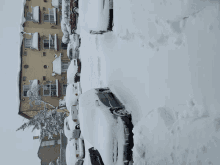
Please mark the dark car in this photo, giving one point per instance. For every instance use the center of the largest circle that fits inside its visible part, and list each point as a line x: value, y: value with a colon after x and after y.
x: 95, y: 157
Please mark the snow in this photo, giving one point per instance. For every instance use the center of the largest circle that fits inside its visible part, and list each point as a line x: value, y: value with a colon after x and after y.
x: 57, y: 65
x: 99, y: 128
x: 54, y: 14
x: 57, y: 87
x: 65, y: 23
x: 71, y: 98
x: 69, y: 133
x: 71, y: 71
x: 70, y: 153
x: 55, y: 41
x: 164, y: 69
x: 154, y: 65
x: 35, y: 12
x: 35, y: 41
x: 72, y: 45
x: 55, y: 3
x: 92, y: 16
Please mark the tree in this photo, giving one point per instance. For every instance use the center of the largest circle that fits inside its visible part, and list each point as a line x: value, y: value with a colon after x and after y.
x: 48, y: 122
x: 33, y: 94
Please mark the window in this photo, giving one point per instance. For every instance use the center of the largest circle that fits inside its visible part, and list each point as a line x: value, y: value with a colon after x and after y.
x: 49, y: 90
x: 27, y: 43
x: 45, y: 66
x: 24, y: 78
x: 25, y: 90
x: 63, y: 46
x: 44, y: 8
x: 64, y: 89
x: 49, y: 17
x: 26, y: 66
x: 46, y: 44
x: 29, y: 16
x: 44, y: 78
x: 65, y: 66
x: 49, y: 44
x: 25, y: 53
x: 44, y: 53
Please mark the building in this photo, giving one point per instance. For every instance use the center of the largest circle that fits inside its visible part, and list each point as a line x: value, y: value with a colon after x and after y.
x: 43, y: 56
x: 49, y: 150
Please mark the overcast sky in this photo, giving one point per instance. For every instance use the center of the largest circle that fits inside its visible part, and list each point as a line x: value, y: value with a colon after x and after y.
x: 16, y: 147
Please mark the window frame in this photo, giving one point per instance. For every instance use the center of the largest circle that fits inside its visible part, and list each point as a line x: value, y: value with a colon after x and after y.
x: 25, y: 89
x: 50, y: 90
x: 64, y: 93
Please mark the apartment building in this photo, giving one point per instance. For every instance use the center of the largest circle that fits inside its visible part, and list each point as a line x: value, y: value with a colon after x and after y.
x: 43, y: 56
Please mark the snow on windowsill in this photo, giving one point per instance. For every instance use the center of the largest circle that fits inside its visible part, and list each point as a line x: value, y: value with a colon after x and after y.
x: 55, y: 41
x: 35, y: 12
x: 35, y: 41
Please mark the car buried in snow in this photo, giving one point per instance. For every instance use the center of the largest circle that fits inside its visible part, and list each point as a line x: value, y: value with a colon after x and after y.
x: 80, y: 148
x: 71, y: 129
x: 107, y: 126
x: 97, y: 15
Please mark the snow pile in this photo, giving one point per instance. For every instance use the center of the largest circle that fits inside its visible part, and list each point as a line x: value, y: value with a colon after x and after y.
x: 92, y: 16
x: 160, y: 138
x: 71, y: 98
x: 35, y: 12
x: 73, y: 46
x: 65, y: 23
x: 35, y: 41
x: 69, y: 127
x: 70, y: 153
x: 71, y: 72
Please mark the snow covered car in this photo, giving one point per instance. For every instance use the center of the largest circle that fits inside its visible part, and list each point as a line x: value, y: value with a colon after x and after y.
x: 96, y: 15
x: 95, y: 157
x: 74, y: 113
x: 71, y: 130
x: 105, y: 122
x: 73, y: 46
x: 79, y: 162
x: 80, y: 148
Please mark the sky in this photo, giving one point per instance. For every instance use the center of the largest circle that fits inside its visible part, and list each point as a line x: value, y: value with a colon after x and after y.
x: 16, y: 147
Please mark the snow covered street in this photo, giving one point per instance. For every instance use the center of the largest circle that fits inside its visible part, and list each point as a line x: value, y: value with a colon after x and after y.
x: 162, y: 62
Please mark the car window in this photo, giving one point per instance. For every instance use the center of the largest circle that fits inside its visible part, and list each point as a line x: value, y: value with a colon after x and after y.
x: 112, y: 99
x: 103, y: 99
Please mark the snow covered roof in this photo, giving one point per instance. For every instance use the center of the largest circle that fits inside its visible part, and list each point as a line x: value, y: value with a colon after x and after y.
x: 35, y: 41
x: 35, y: 12
x: 57, y: 65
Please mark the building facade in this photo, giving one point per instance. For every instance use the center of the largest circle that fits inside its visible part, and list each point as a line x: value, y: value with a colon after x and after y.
x: 43, y: 56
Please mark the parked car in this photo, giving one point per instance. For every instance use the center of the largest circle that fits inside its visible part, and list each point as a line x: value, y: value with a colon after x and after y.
x: 80, y: 148
x: 101, y: 105
x: 71, y: 129
x: 74, y: 113
x: 79, y: 162
x: 97, y: 15
x: 73, y: 46
x: 95, y: 157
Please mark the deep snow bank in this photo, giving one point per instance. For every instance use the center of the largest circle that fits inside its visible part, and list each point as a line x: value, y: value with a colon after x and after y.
x: 164, y: 138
